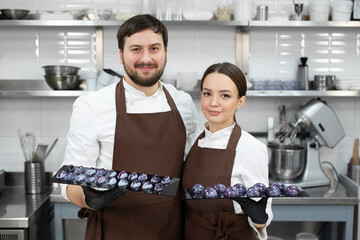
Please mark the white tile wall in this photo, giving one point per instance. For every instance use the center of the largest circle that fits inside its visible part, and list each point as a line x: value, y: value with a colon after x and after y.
x: 274, y: 54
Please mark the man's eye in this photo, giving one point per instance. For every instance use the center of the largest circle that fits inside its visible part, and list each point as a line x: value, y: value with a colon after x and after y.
x: 155, y: 49
x: 135, y: 49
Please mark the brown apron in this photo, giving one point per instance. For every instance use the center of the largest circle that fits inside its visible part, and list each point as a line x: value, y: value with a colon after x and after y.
x: 154, y: 144
x: 213, y: 219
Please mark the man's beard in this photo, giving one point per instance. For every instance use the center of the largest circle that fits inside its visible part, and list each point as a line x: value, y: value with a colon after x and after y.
x: 144, y: 81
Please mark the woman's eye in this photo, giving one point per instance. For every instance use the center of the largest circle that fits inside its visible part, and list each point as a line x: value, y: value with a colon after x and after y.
x: 225, y: 96
x: 206, y: 94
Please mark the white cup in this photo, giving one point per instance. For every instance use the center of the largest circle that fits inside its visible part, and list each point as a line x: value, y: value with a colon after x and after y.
x: 243, y: 10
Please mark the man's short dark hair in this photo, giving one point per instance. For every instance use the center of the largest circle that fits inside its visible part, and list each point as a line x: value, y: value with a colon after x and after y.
x: 139, y: 23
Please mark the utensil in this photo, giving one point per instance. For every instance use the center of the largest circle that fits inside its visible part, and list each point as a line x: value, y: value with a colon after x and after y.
x: 51, y: 148
x: 14, y: 13
x: 62, y: 82
x: 354, y: 160
x: 60, y: 69
x: 287, y: 162
x: 298, y: 9
x: 40, y: 152
x: 31, y: 144
x: 355, y: 156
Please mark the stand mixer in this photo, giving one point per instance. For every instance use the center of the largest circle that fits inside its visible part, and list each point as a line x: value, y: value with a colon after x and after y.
x: 319, y: 123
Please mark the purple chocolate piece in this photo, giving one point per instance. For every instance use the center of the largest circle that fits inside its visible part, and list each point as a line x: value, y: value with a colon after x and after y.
x: 122, y: 175
x: 79, y: 170
x: 210, y: 192
x: 90, y: 180
x: 111, y: 174
x: 143, y: 177
x: 133, y: 176
x: 79, y: 179
x: 123, y: 183
x: 146, y: 187
x: 135, y: 185
x: 155, y: 179
x: 253, y: 192
x: 240, y: 190
x: 101, y: 172
x: 166, y: 180
x: 61, y: 174
x: 91, y: 172
x: 230, y: 193
x: 159, y: 187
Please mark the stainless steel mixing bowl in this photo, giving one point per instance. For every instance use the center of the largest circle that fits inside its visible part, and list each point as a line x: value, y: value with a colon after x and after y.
x: 287, y: 162
x: 14, y: 13
x: 60, y: 69
x: 62, y: 82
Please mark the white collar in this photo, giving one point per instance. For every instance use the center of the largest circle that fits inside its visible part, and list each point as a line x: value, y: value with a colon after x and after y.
x: 225, y: 132
x: 135, y: 91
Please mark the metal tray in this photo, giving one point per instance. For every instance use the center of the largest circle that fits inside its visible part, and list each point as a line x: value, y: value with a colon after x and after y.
x: 169, y: 190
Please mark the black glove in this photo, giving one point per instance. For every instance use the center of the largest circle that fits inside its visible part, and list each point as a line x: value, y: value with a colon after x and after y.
x: 254, y: 210
x: 100, y: 199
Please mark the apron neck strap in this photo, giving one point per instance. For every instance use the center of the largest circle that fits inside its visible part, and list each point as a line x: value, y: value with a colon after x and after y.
x: 234, y: 138
x: 121, y: 101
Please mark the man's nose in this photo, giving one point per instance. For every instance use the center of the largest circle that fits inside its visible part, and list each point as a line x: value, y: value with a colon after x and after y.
x: 146, y: 57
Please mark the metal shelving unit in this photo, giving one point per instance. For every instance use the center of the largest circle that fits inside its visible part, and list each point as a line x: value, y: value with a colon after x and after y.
x: 242, y: 50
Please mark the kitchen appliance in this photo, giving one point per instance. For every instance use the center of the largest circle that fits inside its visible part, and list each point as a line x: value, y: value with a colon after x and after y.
x: 315, y: 125
x: 303, y: 74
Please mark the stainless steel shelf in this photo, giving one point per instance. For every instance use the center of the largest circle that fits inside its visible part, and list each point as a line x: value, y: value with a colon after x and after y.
x: 42, y: 93
x: 281, y: 93
x: 303, y: 24
x: 241, y: 24
x: 76, y: 23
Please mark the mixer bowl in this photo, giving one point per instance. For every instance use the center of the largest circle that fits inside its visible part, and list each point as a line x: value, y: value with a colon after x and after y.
x: 287, y: 162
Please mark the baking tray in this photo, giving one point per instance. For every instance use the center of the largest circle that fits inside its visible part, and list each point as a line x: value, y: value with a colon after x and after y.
x: 170, y: 189
x: 187, y: 196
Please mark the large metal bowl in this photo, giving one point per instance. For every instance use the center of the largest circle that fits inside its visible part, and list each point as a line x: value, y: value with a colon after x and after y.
x: 287, y: 162
x: 63, y: 82
x: 14, y: 13
x: 60, y: 70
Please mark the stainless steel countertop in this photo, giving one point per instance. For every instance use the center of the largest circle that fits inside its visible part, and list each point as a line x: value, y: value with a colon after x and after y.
x: 344, y: 194
x: 16, y: 207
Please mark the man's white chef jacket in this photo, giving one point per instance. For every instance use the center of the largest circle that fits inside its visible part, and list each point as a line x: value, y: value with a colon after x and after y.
x: 90, y: 140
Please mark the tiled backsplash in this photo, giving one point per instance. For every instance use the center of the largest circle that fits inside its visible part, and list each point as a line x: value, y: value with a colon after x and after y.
x: 274, y: 54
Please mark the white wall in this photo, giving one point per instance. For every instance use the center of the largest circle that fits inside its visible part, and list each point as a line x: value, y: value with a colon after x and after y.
x: 274, y: 54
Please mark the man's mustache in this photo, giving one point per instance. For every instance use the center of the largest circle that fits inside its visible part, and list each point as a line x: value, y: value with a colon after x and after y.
x: 138, y: 65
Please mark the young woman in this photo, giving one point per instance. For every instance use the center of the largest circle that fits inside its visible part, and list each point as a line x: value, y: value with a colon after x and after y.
x: 224, y: 153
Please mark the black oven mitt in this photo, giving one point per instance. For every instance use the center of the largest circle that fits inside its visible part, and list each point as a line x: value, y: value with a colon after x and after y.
x: 254, y: 209
x: 100, y: 199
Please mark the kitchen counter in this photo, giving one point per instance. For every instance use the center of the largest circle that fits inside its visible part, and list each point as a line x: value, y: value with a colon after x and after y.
x: 30, y: 214
x: 17, y: 208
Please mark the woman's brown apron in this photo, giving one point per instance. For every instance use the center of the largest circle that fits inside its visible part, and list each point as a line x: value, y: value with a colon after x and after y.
x: 150, y: 143
x: 213, y: 219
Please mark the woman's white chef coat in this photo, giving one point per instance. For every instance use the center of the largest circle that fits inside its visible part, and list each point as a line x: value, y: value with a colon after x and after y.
x: 250, y: 164
x: 90, y: 140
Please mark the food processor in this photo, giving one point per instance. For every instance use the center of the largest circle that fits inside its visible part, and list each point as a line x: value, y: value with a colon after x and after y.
x: 315, y: 125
